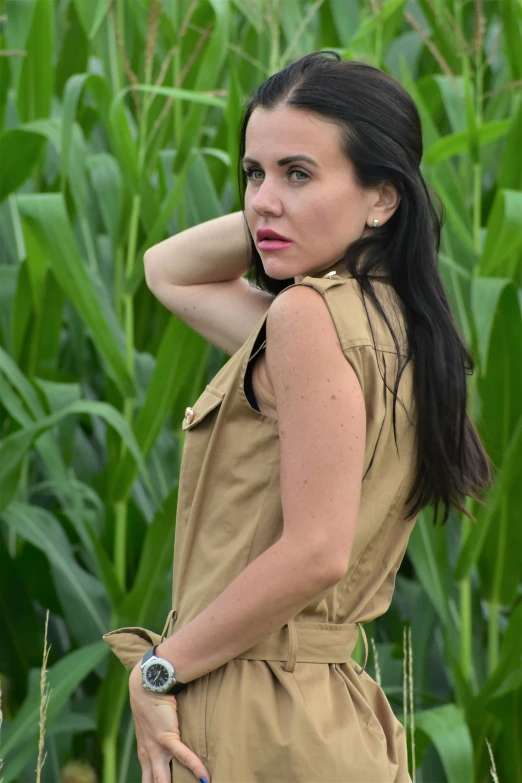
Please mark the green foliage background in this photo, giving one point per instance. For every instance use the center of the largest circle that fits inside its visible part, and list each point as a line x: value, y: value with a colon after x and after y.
x: 118, y: 128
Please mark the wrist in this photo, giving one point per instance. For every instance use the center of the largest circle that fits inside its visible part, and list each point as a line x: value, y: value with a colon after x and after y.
x: 158, y: 674
x: 136, y: 678
x: 161, y: 652
x: 136, y: 689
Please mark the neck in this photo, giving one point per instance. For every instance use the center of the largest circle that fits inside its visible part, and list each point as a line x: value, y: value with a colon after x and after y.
x: 339, y: 268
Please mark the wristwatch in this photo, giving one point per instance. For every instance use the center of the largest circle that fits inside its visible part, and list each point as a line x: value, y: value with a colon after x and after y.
x: 158, y: 674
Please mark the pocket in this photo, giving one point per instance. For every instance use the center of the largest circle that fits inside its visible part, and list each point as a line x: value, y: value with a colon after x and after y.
x: 211, y: 714
x: 206, y: 402
x: 367, y: 698
x: 192, y: 712
x: 201, y: 712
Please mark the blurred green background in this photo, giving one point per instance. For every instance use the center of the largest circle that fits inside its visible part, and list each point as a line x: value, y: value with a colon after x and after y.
x: 119, y: 124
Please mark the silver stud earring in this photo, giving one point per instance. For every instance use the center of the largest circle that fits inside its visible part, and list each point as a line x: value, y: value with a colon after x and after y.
x: 375, y: 223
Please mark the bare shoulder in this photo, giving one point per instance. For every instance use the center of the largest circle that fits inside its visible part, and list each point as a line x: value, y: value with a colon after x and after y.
x: 299, y: 320
x: 306, y: 364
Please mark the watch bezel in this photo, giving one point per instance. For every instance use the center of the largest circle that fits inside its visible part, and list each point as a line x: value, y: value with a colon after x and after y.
x: 154, y: 661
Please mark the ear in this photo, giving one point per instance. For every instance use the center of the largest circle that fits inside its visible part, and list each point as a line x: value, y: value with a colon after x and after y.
x: 383, y: 202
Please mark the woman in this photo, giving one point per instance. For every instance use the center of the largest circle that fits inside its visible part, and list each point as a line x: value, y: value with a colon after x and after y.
x: 301, y: 476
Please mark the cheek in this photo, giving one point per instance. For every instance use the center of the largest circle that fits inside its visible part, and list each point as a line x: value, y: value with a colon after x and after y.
x: 334, y: 223
x: 341, y: 214
x: 328, y: 216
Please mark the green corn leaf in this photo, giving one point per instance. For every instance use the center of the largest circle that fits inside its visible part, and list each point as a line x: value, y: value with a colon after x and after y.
x: 48, y: 216
x: 456, y: 143
x: 502, y: 255
x: 505, y: 479
x: 63, y: 678
x: 82, y: 595
x: 14, y: 447
x: 173, y: 369
x: 447, y: 729
x: 19, y: 151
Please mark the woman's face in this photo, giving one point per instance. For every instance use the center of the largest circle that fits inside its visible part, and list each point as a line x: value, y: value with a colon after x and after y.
x: 318, y: 207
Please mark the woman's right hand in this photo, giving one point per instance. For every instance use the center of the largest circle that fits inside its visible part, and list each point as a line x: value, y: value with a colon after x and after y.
x: 157, y: 732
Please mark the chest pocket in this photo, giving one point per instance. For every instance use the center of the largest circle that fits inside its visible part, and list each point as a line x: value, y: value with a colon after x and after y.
x: 206, y: 402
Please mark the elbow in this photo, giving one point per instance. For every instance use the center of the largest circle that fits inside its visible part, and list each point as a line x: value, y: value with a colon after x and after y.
x: 320, y: 564
x: 329, y: 567
x: 334, y: 573
x: 149, y: 270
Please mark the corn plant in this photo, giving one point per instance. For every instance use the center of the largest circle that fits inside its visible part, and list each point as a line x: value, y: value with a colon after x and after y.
x: 118, y: 128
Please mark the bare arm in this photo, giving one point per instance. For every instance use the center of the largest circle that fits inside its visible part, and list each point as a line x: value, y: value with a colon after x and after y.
x: 321, y: 476
x: 210, y: 252
x: 271, y: 590
x: 198, y: 276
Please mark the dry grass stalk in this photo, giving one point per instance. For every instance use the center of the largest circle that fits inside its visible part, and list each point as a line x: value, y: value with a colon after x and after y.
x: 451, y: 29
x: 1, y: 721
x: 404, y: 680
x: 170, y: 54
x: 188, y: 16
x: 430, y: 45
x: 480, y: 28
x: 312, y: 11
x: 126, y: 63
x: 376, y: 661
x: 412, y: 707
x: 376, y: 6
x: 45, y: 695
x: 152, y: 34
x: 407, y: 689
x: 185, y: 25
x: 493, y: 768
x: 207, y: 32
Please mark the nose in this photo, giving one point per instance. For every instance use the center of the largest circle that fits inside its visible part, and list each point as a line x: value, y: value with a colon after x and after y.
x: 266, y: 199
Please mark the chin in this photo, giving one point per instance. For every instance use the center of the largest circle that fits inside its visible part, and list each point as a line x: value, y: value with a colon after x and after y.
x: 276, y: 272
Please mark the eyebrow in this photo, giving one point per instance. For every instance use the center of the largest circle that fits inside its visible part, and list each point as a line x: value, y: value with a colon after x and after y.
x: 284, y: 161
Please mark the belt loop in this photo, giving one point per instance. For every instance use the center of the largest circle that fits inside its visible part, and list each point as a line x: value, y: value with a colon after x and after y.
x: 170, y: 618
x: 365, y: 641
x: 292, y: 647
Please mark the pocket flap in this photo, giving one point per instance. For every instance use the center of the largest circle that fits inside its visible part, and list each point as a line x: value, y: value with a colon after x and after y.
x: 209, y: 399
x: 131, y: 644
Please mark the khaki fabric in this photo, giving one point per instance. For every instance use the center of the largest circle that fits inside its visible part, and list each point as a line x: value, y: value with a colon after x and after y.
x: 296, y: 706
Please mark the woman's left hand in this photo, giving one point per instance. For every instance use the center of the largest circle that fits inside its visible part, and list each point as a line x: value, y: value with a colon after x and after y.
x: 157, y: 732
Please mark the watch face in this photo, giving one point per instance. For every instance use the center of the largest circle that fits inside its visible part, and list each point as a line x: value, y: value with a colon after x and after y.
x: 157, y: 675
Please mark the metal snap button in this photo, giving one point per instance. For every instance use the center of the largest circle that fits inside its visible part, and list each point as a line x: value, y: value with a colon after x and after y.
x: 189, y: 415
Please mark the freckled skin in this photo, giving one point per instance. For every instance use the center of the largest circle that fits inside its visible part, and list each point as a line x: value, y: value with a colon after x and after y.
x: 321, y: 207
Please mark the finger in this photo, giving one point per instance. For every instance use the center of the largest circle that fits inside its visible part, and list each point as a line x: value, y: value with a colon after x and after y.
x: 146, y: 772
x: 161, y: 769
x: 144, y: 759
x: 189, y: 759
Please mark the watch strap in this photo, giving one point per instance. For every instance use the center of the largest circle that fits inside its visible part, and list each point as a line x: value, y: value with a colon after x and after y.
x: 176, y: 688
x: 148, y: 655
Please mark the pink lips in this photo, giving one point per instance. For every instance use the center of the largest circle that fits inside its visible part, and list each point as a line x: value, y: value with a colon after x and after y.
x: 269, y: 233
x: 268, y: 239
x: 273, y: 244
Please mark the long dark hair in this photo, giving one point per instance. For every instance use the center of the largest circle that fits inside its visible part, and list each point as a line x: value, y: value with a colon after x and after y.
x: 381, y: 135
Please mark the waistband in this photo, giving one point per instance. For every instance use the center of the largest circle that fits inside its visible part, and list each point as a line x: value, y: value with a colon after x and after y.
x: 305, y: 642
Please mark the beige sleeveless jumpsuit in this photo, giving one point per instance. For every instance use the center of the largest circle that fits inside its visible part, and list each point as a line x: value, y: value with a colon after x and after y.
x: 295, y: 707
